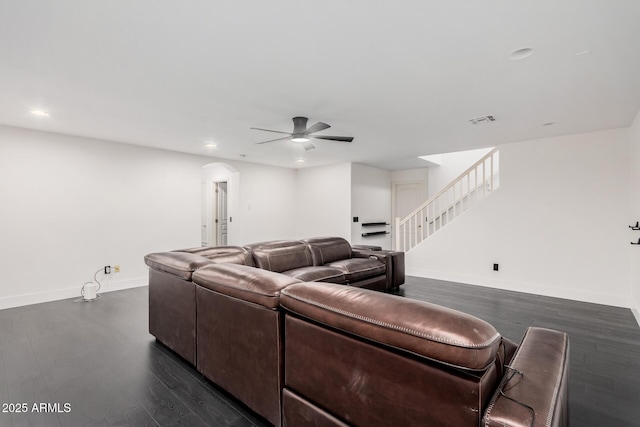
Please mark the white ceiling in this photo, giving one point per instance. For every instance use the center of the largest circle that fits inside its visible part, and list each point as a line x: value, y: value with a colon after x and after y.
x: 402, y: 77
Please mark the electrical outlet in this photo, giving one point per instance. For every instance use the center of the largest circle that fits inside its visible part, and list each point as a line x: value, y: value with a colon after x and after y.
x: 107, y: 269
x: 116, y: 268
x: 495, y: 267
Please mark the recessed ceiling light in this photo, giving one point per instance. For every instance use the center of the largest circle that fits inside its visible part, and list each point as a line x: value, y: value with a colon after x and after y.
x: 583, y: 53
x: 519, y: 54
x: 210, y: 145
x: 40, y: 113
x: 549, y: 124
x: 299, y: 160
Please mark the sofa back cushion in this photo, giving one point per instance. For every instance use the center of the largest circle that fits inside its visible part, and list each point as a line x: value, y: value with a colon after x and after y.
x: 245, y: 283
x: 328, y: 249
x: 280, y: 255
x: 223, y: 254
x: 427, y: 330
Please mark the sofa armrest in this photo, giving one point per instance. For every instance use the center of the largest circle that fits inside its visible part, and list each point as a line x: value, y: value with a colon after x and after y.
x: 534, y: 389
x: 394, y: 262
x: 181, y: 264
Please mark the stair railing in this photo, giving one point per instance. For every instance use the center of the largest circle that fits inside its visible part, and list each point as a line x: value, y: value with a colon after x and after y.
x: 470, y: 187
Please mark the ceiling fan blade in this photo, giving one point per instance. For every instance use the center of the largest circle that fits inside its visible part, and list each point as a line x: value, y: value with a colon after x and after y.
x: 332, y: 138
x: 317, y: 128
x: 272, y: 140
x: 308, y: 146
x: 274, y: 131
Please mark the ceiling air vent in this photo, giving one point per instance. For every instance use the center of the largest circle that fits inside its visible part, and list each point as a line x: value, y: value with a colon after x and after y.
x: 483, y: 119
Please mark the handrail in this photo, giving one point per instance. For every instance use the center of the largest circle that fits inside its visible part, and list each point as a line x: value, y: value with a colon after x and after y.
x: 411, y: 230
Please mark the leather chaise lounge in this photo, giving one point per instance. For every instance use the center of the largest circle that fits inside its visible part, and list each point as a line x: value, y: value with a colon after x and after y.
x: 303, y: 353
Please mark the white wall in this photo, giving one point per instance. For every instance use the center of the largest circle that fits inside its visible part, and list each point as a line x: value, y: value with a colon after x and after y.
x: 370, y: 202
x: 324, y: 201
x: 557, y: 225
x: 268, y: 203
x: 261, y: 200
x: 71, y: 205
x: 634, y: 138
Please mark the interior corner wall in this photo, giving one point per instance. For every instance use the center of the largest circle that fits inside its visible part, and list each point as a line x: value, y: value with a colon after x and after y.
x: 370, y: 202
x: 634, y: 139
x: 267, y: 203
x: 71, y: 205
x: 557, y: 225
x: 261, y: 200
x: 323, y: 206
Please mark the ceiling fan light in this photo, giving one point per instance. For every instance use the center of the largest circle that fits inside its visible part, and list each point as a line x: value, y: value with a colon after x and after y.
x: 40, y: 113
x: 299, y: 139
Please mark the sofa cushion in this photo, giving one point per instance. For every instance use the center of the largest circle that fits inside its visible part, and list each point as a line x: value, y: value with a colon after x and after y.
x: 281, y: 255
x: 246, y: 283
x: 328, y: 249
x: 428, y: 330
x: 359, y: 268
x: 393, y: 261
x: 317, y: 274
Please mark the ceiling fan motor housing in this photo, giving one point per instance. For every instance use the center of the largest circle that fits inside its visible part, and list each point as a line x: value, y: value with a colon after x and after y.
x: 299, y: 125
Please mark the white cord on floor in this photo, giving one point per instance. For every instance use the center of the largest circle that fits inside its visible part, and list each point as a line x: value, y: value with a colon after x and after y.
x: 95, y: 277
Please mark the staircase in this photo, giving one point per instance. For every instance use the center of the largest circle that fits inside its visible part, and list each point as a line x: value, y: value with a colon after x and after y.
x: 469, y: 188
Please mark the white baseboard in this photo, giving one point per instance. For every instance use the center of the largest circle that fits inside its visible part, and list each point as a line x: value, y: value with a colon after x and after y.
x: 529, y: 288
x: 59, y: 294
x: 124, y: 284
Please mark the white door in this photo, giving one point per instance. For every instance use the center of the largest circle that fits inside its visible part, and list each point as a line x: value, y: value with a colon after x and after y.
x: 219, y: 214
x: 222, y: 214
x: 204, y: 230
x: 407, y: 196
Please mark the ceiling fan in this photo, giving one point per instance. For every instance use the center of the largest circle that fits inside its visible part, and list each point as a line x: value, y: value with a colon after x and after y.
x: 303, y: 134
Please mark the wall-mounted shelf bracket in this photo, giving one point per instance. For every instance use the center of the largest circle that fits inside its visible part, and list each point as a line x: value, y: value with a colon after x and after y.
x: 635, y: 227
x: 636, y: 243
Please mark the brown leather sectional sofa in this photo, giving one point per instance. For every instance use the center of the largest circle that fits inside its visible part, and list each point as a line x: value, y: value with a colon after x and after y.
x: 172, y: 311
x: 303, y: 353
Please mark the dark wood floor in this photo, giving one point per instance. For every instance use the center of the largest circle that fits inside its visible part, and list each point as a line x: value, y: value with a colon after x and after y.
x: 99, y: 358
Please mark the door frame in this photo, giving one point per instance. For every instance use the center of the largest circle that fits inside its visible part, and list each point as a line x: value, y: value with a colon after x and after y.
x: 215, y: 224
x: 394, y: 198
x: 216, y: 172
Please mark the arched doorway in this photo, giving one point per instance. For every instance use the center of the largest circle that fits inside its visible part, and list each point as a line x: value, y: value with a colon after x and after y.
x: 219, y: 201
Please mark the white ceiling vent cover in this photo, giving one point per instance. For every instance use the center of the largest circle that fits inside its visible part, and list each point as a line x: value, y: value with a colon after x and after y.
x: 483, y: 119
